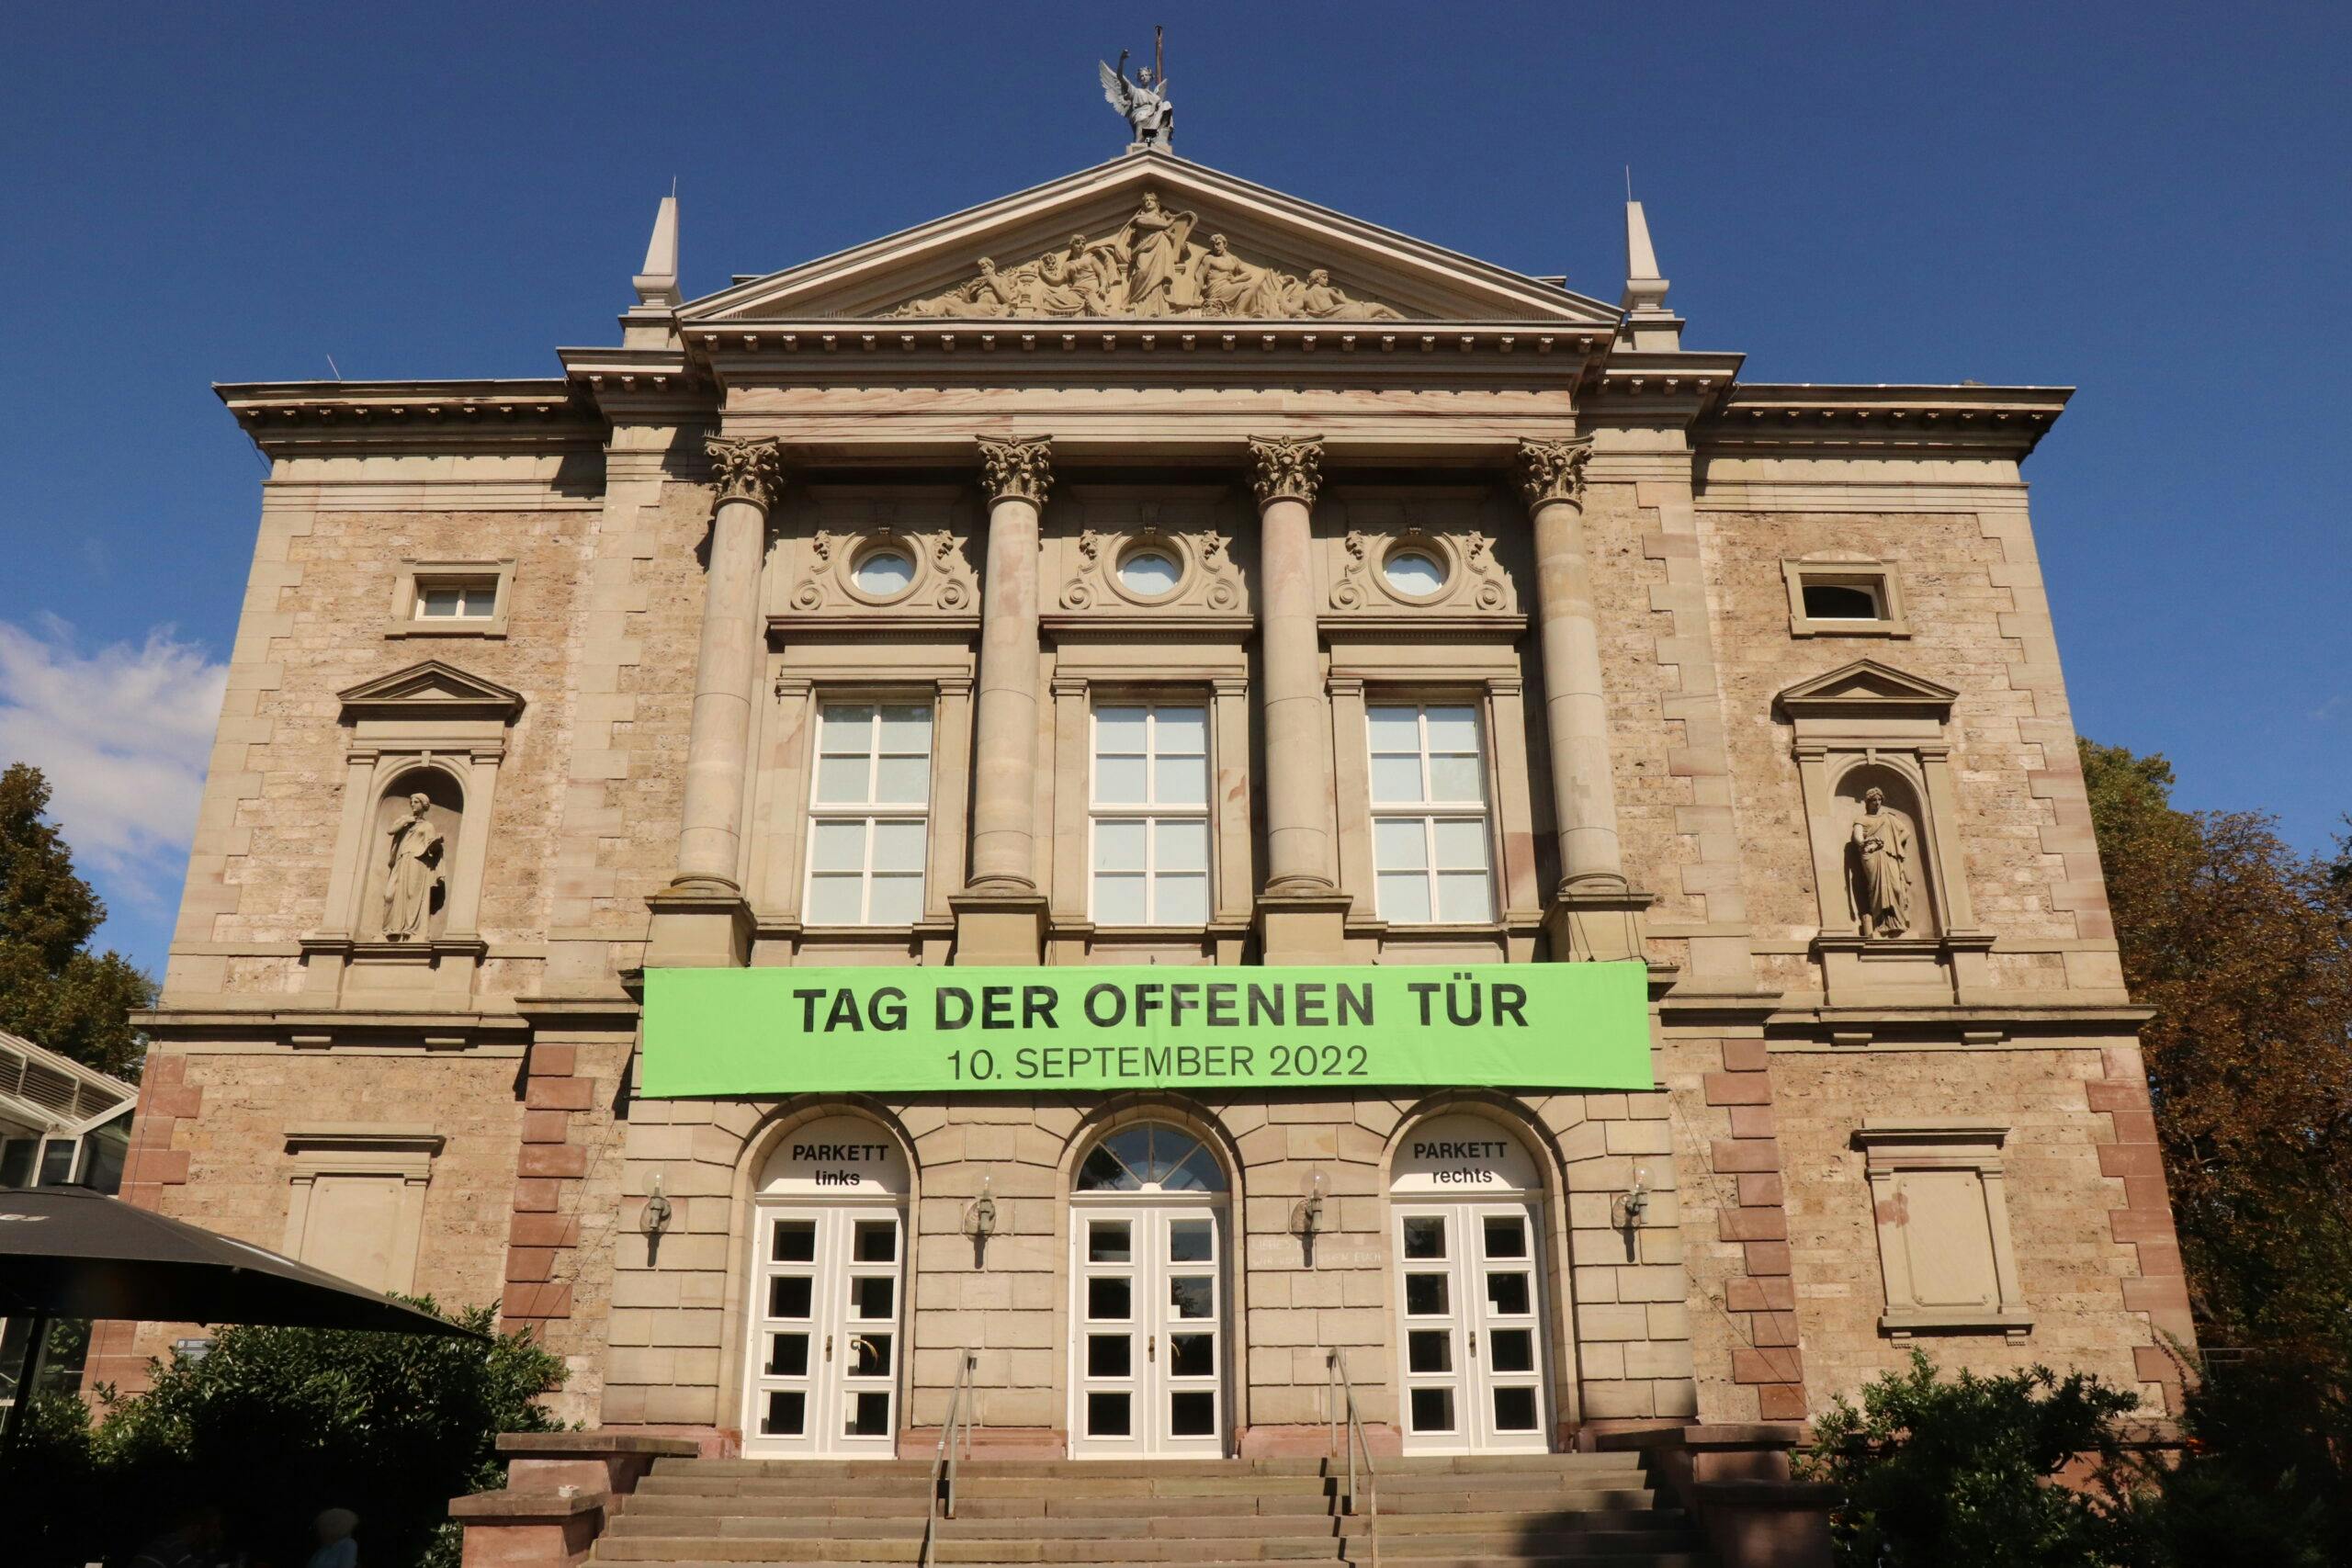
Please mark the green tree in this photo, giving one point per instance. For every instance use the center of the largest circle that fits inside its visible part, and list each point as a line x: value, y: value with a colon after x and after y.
x: 53, y: 990
x: 2244, y: 948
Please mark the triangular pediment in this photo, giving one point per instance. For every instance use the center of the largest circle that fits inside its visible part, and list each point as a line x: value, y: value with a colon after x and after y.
x: 431, y: 689
x: 1144, y: 228
x: 1866, y: 684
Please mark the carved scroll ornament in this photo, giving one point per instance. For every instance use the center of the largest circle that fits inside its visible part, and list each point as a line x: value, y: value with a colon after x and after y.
x: 749, y: 470
x: 1149, y: 267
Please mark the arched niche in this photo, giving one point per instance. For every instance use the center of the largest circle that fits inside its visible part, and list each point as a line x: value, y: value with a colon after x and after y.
x: 1885, y: 860
x: 402, y: 854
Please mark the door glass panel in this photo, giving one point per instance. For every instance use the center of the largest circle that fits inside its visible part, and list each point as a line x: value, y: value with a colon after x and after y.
x: 1505, y: 1236
x: 1192, y: 1413
x: 1188, y: 1241
x: 786, y: 1414
x: 1514, y: 1410
x: 1427, y: 1296
x: 868, y: 1416
x: 1110, y: 1354
x: 872, y: 1297
x: 870, y: 1355
x: 1430, y: 1350
x: 1507, y: 1292
x: 788, y: 1295
x: 1512, y: 1350
x: 1107, y: 1241
x: 1191, y: 1354
x: 787, y: 1355
x: 1108, y: 1299
x: 1107, y: 1415
x: 1432, y: 1410
x: 1424, y: 1237
x: 796, y: 1241
x: 877, y: 1241
x: 1193, y: 1295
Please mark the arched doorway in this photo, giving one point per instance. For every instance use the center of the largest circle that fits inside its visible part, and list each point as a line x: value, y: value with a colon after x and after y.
x: 1466, y: 1202
x: 828, y: 1278
x: 1149, y: 1296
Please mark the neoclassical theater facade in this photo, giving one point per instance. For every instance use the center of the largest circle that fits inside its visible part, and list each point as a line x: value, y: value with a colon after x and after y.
x: 1134, y: 790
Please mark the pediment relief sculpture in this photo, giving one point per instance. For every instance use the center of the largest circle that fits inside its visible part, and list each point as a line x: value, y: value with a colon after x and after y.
x: 1153, y: 265
x: 1151, y: 568
x: 1410, y: 568
x: 882, y: 567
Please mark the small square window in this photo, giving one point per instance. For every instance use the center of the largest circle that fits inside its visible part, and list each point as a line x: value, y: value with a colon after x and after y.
x: 451, y: 599
x: 1843, y: 599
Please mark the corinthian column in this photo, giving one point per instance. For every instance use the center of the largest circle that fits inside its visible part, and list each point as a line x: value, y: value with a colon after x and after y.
x: 1000, y: 915
x: 1301, y: 906
x: 1593, y: 912
x: 701, y: 918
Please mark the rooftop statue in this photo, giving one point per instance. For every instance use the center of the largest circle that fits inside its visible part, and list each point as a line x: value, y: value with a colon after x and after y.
x: 1150, y: 266
x: 1143, y: 101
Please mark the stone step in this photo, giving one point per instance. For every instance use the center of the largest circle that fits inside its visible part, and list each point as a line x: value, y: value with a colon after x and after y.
x: 1505, y: 1545
x: 1677, y: 1557
x: 1165, y: 1527
x: 922, y: 1466
x: 1062, y: 1503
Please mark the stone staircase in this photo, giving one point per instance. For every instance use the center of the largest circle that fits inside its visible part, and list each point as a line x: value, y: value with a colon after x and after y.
x: 1574, y: 1510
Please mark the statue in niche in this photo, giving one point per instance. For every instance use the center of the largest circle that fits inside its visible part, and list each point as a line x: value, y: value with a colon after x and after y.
x: 1884, y: 853
x: 415, y: 871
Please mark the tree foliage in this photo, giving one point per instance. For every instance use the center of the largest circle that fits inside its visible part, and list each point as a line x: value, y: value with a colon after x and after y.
x: 53, y: 990
x: 2244, y: 948
x: 274, y: 1424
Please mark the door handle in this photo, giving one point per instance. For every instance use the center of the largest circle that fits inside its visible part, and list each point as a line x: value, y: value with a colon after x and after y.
x: 860, y: 1345
x: 829, y: 1347
x: 1474, y: 1344
x: 1151, y: 1347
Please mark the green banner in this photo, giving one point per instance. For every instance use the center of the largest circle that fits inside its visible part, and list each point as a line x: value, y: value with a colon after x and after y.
x: 927, y: 1031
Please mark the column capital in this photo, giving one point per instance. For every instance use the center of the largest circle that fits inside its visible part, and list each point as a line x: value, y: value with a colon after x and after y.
x: 749, y: 469
x: 1553, y: 471
x: 1286, y: 468
x: 1016, y: 470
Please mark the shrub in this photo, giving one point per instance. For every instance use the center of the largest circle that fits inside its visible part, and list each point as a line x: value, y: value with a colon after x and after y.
x: 1937, y: 1473
x: 274, y: 1424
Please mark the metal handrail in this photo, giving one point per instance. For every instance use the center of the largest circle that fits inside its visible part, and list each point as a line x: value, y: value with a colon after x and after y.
x: 1342, y: 1395
x: 942, y: 1465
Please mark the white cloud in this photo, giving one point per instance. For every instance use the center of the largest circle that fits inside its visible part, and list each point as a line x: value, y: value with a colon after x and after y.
x: 123, y: 733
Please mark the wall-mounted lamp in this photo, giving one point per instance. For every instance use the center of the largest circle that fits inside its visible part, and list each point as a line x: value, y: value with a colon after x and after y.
x: 656, y: 1218
x: 979, y: 1215
x: 1634, y: 1201
x: 1307, y: 1214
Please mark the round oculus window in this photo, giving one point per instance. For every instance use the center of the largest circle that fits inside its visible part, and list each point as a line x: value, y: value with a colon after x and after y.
x: 1150, y: 574
x: 1413, y: 573
x: 883, y: 574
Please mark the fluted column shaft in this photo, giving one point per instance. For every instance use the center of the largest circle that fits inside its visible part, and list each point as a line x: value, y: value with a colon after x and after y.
x: 1575, y: 708
x: 1015, y: 476
x: 1298, y: 727
x: 726, y: 668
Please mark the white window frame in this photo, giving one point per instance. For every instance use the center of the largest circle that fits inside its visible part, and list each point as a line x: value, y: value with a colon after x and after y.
x: 1428, y: 811
x: 1877, y: 578
x: 1150, y: 812
x: 416, y: 578
x: 869, y: 812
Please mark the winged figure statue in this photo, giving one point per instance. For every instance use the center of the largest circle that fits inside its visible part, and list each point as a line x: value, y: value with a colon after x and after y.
x: 1143, y: 102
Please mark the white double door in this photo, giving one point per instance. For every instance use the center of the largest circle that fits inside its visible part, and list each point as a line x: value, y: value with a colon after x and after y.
x: 1470, y: 1321
x: 825, y: 1341
x: 1148, y: 1319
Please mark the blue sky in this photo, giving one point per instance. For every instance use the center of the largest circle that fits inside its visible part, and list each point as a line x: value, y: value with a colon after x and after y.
x: 2146, y: 202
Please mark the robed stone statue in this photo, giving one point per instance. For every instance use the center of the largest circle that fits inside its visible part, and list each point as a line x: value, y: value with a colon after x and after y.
x: 413, y: 872
x: 1885, y: 858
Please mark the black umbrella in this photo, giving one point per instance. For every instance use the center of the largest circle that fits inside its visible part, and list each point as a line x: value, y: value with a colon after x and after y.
x: 71, y: 1252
